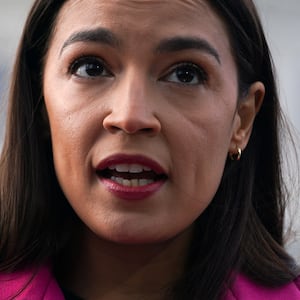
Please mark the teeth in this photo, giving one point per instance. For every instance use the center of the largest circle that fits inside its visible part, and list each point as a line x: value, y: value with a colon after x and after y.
x: 135, y: 168
x: 132, y: 182
x: 129, y: 168
x: 122, y: 168
x: 119, y: 180
x: 143, y: 182
x: 126, y: 182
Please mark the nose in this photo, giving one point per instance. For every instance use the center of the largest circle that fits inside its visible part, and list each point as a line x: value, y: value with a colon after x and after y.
x: 132, y: 109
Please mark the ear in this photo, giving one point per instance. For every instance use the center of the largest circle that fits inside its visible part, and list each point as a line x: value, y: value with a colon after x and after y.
x: 247, y: 109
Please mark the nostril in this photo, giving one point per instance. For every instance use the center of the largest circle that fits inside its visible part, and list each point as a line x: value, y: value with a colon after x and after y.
x: 114, y: 129
x: 132, y: 122
x: 131, y: 128
x: 147, y: 130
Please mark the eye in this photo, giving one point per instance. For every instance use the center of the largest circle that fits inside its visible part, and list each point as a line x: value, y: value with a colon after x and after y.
x: 89, y: 67
x: 187, y: 74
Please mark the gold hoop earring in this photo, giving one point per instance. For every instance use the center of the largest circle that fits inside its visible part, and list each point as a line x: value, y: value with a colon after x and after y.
x: 236, y: 155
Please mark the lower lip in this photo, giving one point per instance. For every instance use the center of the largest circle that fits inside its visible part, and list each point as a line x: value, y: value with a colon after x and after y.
x: 132, y: 193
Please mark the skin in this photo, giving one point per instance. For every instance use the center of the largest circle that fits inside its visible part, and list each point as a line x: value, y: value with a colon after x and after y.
x: 139, y: 106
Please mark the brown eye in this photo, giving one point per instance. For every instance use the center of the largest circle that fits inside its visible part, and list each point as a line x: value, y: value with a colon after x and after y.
x: 186, y: 73
x: 89, y: 67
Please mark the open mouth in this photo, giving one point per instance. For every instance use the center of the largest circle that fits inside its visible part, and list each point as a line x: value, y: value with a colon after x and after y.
x: 131, y: 175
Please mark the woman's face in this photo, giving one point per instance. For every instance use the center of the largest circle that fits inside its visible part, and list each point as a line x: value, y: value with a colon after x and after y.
x: 142, y: 104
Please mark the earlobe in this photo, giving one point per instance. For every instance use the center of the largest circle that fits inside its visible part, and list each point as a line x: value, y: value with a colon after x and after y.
x: 247, y: 109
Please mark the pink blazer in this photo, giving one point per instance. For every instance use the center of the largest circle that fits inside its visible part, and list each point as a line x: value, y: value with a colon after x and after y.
x: 30, y: 285
x: 41, y: 285
x: 245, y: 289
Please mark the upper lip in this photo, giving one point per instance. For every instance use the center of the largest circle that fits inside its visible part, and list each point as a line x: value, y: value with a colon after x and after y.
x: 118, y: 159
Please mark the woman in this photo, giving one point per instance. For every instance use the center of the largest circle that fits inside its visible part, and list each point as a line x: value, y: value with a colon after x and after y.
x: 141, y: 157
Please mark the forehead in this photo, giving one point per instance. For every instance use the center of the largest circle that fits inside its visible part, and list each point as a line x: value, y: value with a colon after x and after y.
x: 148, y: 8
x: 144, y: 18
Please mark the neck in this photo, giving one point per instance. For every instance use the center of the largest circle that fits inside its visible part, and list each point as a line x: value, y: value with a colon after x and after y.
x: 99, y: 269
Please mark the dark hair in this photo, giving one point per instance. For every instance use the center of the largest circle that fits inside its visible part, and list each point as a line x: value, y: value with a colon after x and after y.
x: 242, y: 229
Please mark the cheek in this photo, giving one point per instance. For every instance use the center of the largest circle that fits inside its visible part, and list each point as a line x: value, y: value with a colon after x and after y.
x: 70, y: 120
x: 202, y: 155
x: 69, y: 143
x: 66, y: 150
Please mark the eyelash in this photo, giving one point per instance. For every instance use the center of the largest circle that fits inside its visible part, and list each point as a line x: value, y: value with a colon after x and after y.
x: 98, y: 65
x: 184, y: 73
x: 194, y: 74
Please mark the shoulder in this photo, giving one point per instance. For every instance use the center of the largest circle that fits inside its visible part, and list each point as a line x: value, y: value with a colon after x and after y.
x: 33, y: 283
x: 244, y: 288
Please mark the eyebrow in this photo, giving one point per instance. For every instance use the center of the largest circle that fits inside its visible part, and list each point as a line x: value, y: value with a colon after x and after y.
x: 185, y: 43
x: 98, y: 35
x: 174, y: 44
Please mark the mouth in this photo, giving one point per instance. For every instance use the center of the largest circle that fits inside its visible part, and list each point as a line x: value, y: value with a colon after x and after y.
x: 131, y: 174
x: 131, y: 171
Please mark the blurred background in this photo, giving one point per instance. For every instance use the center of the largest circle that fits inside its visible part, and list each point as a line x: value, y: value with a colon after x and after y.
x: 282, y: 25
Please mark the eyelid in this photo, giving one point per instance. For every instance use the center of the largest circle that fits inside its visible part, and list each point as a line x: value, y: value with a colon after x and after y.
x: 201, y: 73
x: 84, y: 59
